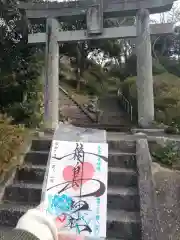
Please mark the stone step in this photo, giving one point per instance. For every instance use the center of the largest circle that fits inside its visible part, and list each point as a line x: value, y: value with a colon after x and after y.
x: 77, y: 116
x: 115, y: 159
x: 11, y: 212
x: 31, y: 173
x: 122, y: 146
x: 41, y: 145
x: 127, y: 146
x: 123, y: 198
x: 122, y: 127
x: 122, y: 160
x: 118, y: 198
x: 75, y: 113
x: 80, y: 121
x: 122, y: 177
x: 37, y: 157
x: 23, y: 193
x: 123, y: 225
x: 116, y: 120
x: 116, y: 176
x: 120, y: 224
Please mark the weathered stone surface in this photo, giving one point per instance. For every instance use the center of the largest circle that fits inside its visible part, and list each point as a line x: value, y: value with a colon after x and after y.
x: 122, y: 146
x: 11, y: 212
x: 41, y: 145
x: 37, y: 157
x: 168, y: 199
x: 122, y: 177
x: 123, y: 225
x: 51, y: 90
x: 123, y: 160
x: 123, y: 198
x: 148, y: 202
x: 112, y: 112
x: 144, y: 81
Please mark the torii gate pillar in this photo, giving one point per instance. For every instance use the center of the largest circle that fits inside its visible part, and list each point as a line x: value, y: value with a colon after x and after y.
x: 51, y: 85
x: 144, y: 80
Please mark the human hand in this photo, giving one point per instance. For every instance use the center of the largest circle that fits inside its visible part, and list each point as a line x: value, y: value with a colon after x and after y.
x: 59, y: 223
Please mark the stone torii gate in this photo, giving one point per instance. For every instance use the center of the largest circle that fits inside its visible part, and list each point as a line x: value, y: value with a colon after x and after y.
x: 95, y: 11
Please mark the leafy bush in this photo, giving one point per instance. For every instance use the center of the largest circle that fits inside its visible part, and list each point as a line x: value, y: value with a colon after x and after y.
x: 158, y: 68
x: 166, y: 97
x: 30, y: 111
x: 93, y: 79
x: 12, y: 138
x: 168, y: 155
x: 171, y: 65
x: 23, y: 97
x: 131, y: 66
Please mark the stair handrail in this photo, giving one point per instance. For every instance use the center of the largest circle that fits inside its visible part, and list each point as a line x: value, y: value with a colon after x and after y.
x: 77, y: 104
x: 126, y: 104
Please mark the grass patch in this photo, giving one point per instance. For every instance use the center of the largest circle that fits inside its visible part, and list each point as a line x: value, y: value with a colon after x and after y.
x: 168, y: 155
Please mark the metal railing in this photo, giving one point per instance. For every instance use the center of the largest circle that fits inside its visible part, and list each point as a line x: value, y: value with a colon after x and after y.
x: 126, y: 104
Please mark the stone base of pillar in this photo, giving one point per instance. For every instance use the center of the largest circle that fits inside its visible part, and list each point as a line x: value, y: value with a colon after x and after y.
x: 143, y: 123
x: 44, y: 132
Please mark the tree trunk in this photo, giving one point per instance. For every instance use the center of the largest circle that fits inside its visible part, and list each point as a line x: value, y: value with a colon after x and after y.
x: 78, y: 79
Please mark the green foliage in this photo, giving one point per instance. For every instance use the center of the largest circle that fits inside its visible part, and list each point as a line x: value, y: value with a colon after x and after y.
x: 12, y: 138
x: 158, y: 68
x: 23, y: 97
x: 166, y: 97
x: 171, y: 65
x: 131, y: 67
x: 29, y: 112
x: 93, y: 78
x: 172, y: 129
x: 20, y: 68
x: 168, y: 155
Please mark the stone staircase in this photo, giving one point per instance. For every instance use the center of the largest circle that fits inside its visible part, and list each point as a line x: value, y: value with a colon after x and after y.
x: 70, y: 109
x: 123, y: 217
x: 113, y: 117
x: 113, y: 114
